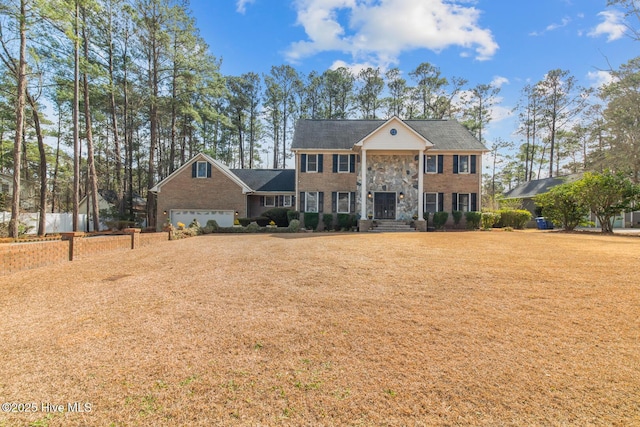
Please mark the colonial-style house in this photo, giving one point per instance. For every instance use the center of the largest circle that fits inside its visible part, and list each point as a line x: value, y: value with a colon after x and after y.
x: 392, y: 170
x: 387, y: 169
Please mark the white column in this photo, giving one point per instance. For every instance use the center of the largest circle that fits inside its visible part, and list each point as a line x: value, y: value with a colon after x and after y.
x: 363, y: 184
x: 420, y: 184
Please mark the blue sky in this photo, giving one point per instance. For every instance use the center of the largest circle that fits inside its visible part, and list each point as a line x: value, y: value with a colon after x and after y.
x: 507, y: 42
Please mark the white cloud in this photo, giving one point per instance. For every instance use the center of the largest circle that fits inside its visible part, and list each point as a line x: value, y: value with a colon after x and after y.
x: 241, y: 5
x: 380, y: 30
x: 613, y: 26
x: 599, y: 78
x: 499, y: 81
x: 552, y: 27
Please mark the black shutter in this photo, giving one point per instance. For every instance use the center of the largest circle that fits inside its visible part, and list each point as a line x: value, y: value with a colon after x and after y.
x: 440, y: 163
x: 302, y: 201
x: 303, y: 162
x: 474, y: 202
x: 352, y: 163
x: 473, y: 164
x: 424, y: 164
x: 335, y: 163
x: 454, y: 202
x: 320, y: 156
x: 334, y: 201
x: 455, y: 163
x: 440, y: 202
x: 208, y: 170
x: 352, y: 207
x: 320, y: 201
x: 261, y: 200
x: 194, y: 169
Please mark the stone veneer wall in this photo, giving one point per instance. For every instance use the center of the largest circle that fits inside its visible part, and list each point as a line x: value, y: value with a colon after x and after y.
x: 391, y: 173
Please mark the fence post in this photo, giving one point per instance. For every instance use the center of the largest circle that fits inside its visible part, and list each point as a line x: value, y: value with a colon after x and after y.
x: 72, y: 237
x: 135, y: 236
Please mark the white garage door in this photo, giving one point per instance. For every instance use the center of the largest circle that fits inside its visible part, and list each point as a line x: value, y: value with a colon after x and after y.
x: 223, y: 218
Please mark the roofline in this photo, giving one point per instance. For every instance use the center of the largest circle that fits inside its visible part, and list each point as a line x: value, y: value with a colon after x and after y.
x: 224, y: 169
x: 428, y: 144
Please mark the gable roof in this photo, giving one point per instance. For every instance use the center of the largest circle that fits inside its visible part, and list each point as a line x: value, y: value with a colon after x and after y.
x: 538, y: 186
x: 268, y: 180
x: 215, y: 163
x: 344, y: 134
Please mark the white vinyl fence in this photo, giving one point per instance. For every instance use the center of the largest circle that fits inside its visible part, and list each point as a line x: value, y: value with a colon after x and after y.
x: 56, y: 222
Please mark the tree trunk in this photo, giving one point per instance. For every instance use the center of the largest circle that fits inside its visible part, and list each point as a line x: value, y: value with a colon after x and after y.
x: 20, y: 101
x: 93, y: 179
x: 114, y: 123
x: 76, y: 120
x: 42, y: 171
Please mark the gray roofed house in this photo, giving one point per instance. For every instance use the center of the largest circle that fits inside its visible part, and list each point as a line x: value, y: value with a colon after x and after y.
x: 343, y: 134
x: 388, y: 170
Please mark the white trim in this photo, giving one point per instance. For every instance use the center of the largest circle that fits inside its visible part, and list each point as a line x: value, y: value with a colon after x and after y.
x: 348, y: 156
x: 306, y: 201
x: 338, y: 193
x: 468, y: 171
x: 395, y: 121
x: 434, y: 156
x: 198, y: 163
x: 437, y: 201
x: 273, y: 205
x: 306, y: 169
x: 284, y: 202
x: 468, y: 206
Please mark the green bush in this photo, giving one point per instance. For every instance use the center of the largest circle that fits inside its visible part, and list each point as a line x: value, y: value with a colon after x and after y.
x: 345, y: 221
x: 473, y: 220
x: 327, y: 220
x: 489, y: 219
x: 278, y: 215
x: 514, y: 218
x: 253, y: 227
x: 440, y: 219
x: 213, y: 225
x: 457, y: 216
x: 244, y: 221
x: 291, y: 215
x: 294, y: 225
x: 311, y: 220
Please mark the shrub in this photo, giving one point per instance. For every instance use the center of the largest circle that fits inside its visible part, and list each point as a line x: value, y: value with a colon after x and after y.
x: 294, y: 225
x: 345, y: 221
x: 194, y: 224
x: 457, y: 216
x: 327, y: 220
x: 563, y: 205
x: 515, y: 218
x: 213, y: 224
x: 207, y: 230
x: 261, y: 221
x: 489, y: 219
x: 291, y: 215
x: 278, y: 215
x: 253, y: 227
x: 473, y: 220
x: 311, y: 220
x: 440, y: 219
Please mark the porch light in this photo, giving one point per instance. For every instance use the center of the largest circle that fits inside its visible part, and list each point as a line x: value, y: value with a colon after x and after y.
x: 369, y: 195
x: 401, y: 195
x: 164, y: 212
x: 237, y: 213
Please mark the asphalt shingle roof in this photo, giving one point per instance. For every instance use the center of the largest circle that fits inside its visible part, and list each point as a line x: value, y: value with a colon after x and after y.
x: 343, y: 134
x: 538, y: 186
x: 270, y: 180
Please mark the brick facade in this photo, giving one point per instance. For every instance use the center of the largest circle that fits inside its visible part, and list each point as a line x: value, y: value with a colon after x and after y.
x: 219, y: 192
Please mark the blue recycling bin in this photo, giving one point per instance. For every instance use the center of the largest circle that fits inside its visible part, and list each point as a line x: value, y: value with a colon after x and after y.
x: 543, y: 223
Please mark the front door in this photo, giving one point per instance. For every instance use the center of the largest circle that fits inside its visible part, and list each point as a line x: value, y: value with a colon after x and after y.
x: 384, y: 205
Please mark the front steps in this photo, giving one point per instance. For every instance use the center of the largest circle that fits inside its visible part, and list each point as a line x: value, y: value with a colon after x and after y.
x: 390, y: 226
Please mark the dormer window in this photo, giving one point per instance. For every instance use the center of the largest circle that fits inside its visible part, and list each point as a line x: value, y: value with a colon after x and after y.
x: 201, y: 170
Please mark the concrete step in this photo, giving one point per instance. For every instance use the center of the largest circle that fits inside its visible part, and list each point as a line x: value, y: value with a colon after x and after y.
x: 391, y: 227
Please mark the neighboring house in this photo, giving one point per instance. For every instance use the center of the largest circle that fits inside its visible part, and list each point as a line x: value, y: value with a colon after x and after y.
x: 530, y: 189
x: 408, y: 167
x: 527, y: 192
x: 386, y: 169
x: 107, y: 200
x: 204, y: 188
x: 29, y: 198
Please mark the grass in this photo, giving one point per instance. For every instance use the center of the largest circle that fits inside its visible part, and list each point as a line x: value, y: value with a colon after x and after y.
x: 478, y: 328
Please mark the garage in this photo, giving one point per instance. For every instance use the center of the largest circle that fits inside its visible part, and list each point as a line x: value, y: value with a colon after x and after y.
x: 186, y: 216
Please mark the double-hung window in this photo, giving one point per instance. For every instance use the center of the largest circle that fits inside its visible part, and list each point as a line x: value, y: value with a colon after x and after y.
x: 269, y: 201
x: 431, y: 164
x: 312, y: 163
x: 463, y: 164
x: 344, y: 202
x: 311, y: 201
x: 431, y: 202
x: 286, y: 201
x: 464, y: 202
x: 343, y: 163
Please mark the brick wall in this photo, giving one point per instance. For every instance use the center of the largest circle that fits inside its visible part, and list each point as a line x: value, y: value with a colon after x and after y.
x: 16, y: 257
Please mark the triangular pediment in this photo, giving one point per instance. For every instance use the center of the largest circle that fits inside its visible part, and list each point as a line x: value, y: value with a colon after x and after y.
x: 394, y: 134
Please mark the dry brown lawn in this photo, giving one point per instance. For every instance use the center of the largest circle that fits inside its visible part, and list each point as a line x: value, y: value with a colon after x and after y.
x: 415, y: 329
